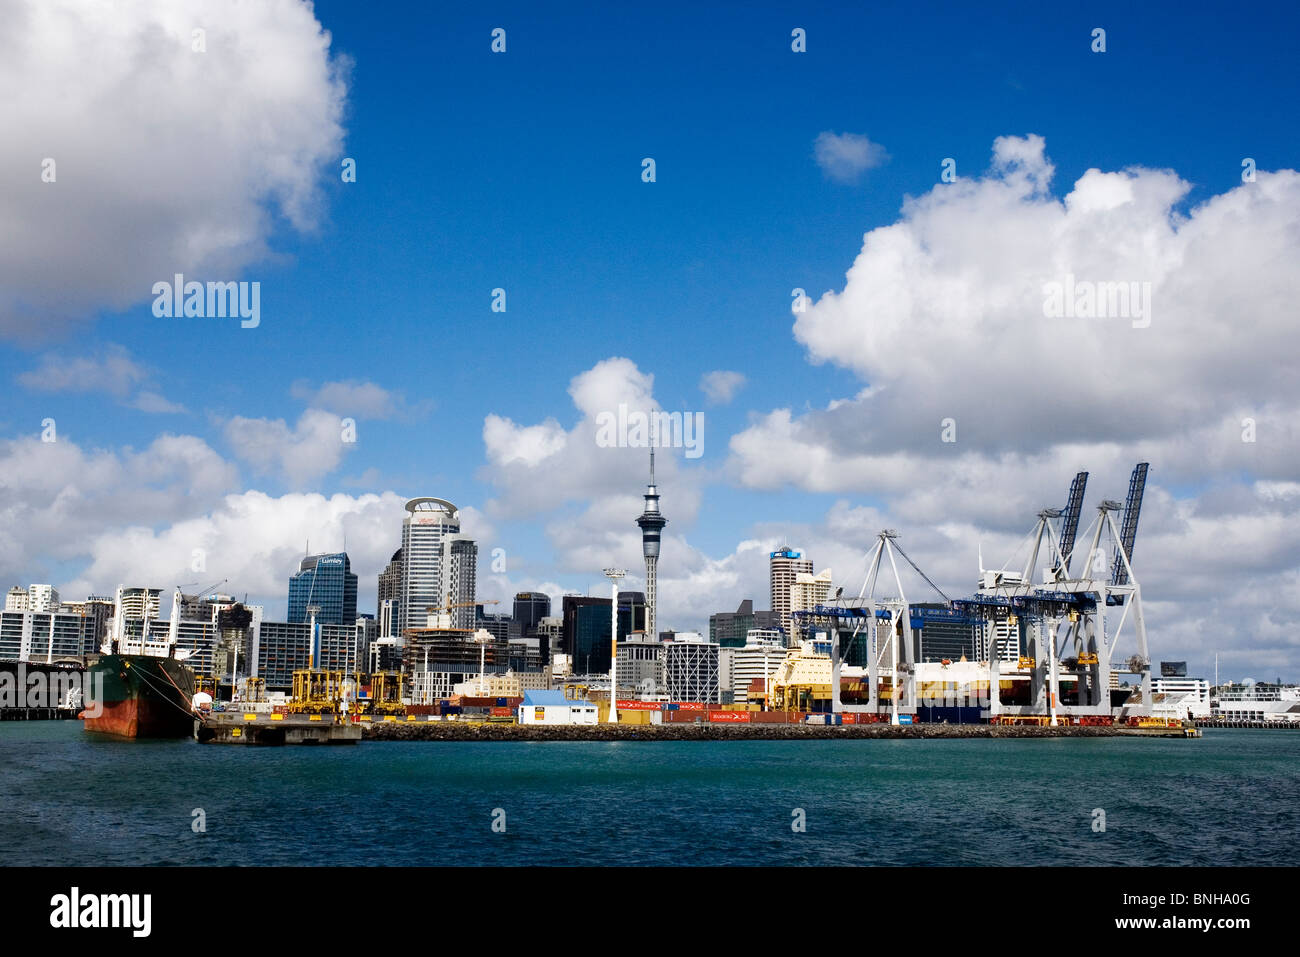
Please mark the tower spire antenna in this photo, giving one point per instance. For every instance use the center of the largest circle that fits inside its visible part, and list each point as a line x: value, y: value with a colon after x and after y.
x: 652, y: 465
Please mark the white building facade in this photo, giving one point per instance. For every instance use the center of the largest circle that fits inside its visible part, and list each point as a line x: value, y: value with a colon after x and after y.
x: 429, y: 524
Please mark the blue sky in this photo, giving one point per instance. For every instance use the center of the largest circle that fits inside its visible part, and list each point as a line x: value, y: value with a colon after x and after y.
x: 522, y: 171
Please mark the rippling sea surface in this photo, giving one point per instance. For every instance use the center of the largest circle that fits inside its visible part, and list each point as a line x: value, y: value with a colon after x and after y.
x: 1232, y: 797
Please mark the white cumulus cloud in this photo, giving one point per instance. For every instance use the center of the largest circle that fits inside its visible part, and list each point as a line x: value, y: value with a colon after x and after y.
x: 164, y: 160
x: 313, y: 447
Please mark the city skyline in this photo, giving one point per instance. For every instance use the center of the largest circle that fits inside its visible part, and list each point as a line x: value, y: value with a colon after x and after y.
x: 923, y: 380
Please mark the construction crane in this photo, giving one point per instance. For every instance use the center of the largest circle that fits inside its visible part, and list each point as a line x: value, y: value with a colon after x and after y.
x: 219, y: 581
x: 1128, y: 531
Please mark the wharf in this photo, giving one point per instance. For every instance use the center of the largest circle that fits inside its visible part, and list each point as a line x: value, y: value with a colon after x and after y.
x: 489, y: 731
x: 248, y: 727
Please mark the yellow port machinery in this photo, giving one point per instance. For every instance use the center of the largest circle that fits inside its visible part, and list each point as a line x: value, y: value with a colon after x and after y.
x: 386, y: 689
x: 316, y: 691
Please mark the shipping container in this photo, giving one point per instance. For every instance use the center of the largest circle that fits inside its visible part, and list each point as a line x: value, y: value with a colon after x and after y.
x: 729, y: 717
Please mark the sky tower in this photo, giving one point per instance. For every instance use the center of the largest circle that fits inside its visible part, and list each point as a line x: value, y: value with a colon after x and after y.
x: 651, y: 522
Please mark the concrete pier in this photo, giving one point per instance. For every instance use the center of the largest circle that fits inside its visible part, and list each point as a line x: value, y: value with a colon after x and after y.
x: 240, y: 727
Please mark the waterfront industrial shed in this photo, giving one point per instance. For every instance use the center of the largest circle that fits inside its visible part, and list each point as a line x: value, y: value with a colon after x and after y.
x: 552, y: 707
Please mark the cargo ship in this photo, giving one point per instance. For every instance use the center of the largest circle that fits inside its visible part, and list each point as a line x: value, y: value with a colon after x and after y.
x: 140, y: 688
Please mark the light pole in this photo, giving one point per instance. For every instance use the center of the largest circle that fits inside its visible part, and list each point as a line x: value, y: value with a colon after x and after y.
x: 482, y: 637
x: 614, y: 575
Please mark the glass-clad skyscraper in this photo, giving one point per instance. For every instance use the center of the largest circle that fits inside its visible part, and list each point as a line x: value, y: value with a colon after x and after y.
x: 531, y: 607
x: 429, y: 524
x: 327, y: 581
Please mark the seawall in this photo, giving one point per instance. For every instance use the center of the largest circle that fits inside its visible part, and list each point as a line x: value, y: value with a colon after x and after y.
x: 471, y: 731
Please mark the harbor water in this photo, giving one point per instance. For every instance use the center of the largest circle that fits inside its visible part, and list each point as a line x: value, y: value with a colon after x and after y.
x: 72, y: 798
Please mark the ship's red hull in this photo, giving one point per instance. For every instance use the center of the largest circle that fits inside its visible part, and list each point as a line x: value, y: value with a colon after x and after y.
x: 139, y: 718
x: 137, y: 696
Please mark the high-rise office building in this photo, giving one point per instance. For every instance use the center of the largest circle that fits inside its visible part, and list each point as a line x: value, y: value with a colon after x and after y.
x: 461, y: 562
x: 499, y: 626
x: 388, y: 599
x: 633, y: 613
x: 729, y: 628
x: 531, y: 607
x: 569, y: 606
x: 785, y: 565
x: 807, y: 592
x: 281, y: 648
x: 327, y: 582
x: 429, y: 523
x: 590, y: 645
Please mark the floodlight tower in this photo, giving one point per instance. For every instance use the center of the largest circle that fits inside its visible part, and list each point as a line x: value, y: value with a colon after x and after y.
x: 482, y: 638
x: 651, y: 522
x: 614, y: 575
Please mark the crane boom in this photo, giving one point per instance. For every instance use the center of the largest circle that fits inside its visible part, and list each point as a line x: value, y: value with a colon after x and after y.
x: 1070, y: 523
x: 1128, y: 532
